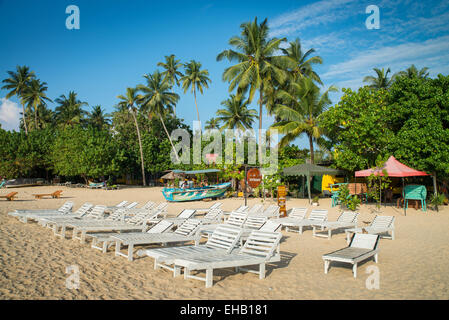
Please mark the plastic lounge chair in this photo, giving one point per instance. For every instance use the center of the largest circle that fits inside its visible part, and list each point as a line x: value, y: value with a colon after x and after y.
x: 381, y: 225
x: 271, y: 211
x: 316, y: 217
x: 239, y: 209
x: 346, y: 220
x: 216, y: 205
x: 66, y: 207
x: 109, y: 224
x: 179, y: 219
x: 361, y: 247
x: 106, y: 240
x: 10, y: 196
x: 51, y: 221
x: 212, y: 217
x: 293, y: 218
x: 54, y: 195
x: 223, y: 240
x: 236, y: 219
x: 118, y: 205
x: 94, y: 215
x: 24, y: 215
x: 186, y: 232
x: 259, y: 249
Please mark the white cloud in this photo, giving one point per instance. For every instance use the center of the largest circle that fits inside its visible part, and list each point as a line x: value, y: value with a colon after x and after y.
x: 432, y: 50
x: 9, y: 114
x: 321, y: 12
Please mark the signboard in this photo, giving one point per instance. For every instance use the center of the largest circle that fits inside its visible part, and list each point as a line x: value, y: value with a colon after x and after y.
x: 253, y: 177
x: 282, y: 203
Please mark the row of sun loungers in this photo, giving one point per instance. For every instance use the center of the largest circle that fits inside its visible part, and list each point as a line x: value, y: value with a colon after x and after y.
x: 248, y: 236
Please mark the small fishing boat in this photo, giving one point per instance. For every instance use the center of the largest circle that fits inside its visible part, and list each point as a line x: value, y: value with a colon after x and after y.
x: 190, y: 194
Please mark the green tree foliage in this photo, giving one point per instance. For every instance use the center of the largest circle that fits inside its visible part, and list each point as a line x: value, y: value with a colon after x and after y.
x: 24, y: 156
x: 409, y: 121
x: 358, y: 128
x: 88, y: 153
x: 419, y: 117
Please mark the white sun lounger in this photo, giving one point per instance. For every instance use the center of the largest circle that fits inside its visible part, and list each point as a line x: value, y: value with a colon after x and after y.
x: 24, y: 214
x: 361, y: 247
x: 118, y: 205
x: 381, y: 225
x: 272, y: 211
x: 236, y: 219
x: 315, y: 217
x: 259, y: 249
x: 62, y: 223
x: 294, y: 217
x: 216, y: 205
x: 50, y: 220
x: 223, y: 240
x: 105, y: 238
x: 186, y: 232
x: 179, y: 219
x: 140, y: 219
x: 346, y: 220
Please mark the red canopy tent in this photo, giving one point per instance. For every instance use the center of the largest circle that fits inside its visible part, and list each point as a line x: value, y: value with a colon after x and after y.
x: 394, y: 169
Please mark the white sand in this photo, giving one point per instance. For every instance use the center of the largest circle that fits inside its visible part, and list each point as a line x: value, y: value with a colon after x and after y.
x: 33, y: 262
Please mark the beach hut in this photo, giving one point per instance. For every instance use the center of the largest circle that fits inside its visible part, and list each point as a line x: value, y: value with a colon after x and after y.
x: 309, y: 170
x: 394, y: 168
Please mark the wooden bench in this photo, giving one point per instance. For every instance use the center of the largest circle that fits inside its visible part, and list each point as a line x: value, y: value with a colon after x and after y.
x: 10, y: 196
x: 56, y: 194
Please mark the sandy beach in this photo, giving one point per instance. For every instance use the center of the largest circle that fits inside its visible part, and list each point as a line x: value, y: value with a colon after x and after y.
x: 33, y: 262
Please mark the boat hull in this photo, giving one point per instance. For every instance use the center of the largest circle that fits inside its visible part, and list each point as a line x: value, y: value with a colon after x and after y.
x: 192, y: 194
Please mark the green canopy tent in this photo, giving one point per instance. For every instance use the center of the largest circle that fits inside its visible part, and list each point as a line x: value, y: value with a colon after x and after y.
x: 309, y: 170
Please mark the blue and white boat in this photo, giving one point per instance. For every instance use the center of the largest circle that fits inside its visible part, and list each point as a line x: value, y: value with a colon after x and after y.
x: 190, y: 194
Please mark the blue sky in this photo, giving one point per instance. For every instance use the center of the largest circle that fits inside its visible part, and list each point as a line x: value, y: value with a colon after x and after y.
x: 120, y: 41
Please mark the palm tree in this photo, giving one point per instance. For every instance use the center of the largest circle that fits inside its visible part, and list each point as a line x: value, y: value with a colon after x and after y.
x: 302, y: 61
x: 130, y: 102
x: 171, y: 72
x: 98, y: 118
x: 236, y: 114
x: 299, y: 111
x: 34, y: 95
x: 195, y: 78
x: 212, y: 123
x: 46, y: 117
x: 381, y: 81
x: 158, y: 100
x: 18, y: 82
x: 70, y: 110
x: 257, y: 63
x: 413, y: 72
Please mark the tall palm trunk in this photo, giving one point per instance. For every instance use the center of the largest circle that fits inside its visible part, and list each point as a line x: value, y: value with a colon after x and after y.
x: 35, y: 117
x: 196, y: 105
x: 260, y: 125
x: 169, y: 138
x: 24, y: 119
x: 174, y: 107
x: 312, y: 158
x: 140, y: 147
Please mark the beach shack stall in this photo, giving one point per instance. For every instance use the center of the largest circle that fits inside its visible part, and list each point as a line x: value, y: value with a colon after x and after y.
x: 394, y: 168
x: 308, y: 170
